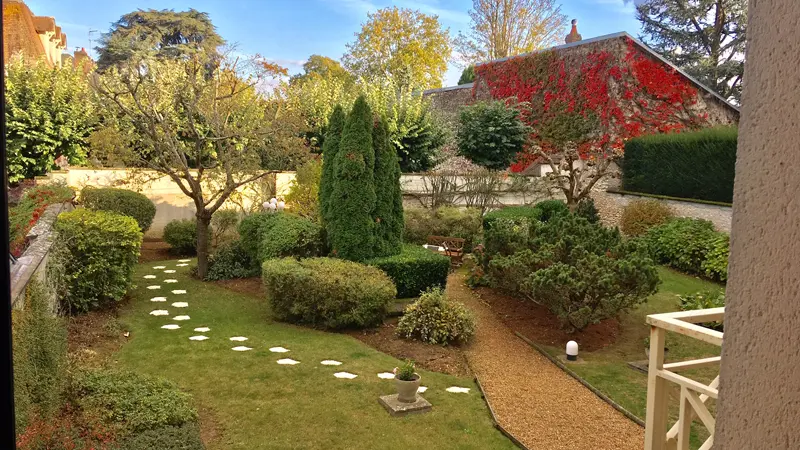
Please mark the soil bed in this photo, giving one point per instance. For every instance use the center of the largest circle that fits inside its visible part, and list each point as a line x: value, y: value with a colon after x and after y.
x: 154, y: 250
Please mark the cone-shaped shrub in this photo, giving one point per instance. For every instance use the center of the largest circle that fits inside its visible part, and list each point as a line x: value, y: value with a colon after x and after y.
x: 387, y: 189
x: 329, y: 149
x: 351, y: 227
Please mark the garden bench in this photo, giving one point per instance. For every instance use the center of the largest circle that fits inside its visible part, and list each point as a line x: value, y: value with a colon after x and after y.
x: 453, y: 247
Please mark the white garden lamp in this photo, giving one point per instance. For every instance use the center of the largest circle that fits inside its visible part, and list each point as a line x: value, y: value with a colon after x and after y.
x: 572, y: 351
x: 265, y: 205
x: 273, y: 200
x: 281, y: 205
x: 271, y: 207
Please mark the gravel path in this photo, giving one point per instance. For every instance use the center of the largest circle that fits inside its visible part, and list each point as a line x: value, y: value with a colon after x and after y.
x: 539, y: 404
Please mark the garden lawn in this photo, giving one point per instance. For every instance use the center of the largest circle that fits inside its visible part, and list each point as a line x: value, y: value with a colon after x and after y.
x: 608, y: 371
x: 259, y: 404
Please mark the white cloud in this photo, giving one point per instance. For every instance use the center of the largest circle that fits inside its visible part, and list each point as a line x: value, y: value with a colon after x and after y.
x: 619, y: 6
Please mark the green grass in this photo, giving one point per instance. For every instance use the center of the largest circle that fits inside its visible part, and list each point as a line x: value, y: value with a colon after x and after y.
x: 607, y: 369
x: 262, y: 405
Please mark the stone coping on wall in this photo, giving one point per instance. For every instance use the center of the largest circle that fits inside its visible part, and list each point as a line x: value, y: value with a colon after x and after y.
x: 667, y: 197
x: 40, y: 240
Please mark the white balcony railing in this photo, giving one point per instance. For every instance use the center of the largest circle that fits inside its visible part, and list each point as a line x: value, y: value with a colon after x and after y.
x: 693, y: 394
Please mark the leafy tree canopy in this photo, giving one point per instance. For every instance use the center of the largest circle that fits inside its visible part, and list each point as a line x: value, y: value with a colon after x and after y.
x: 319, y: 66
x: 467, y: 75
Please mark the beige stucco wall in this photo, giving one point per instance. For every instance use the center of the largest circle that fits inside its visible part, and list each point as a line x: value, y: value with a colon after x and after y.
x: 759, y: 406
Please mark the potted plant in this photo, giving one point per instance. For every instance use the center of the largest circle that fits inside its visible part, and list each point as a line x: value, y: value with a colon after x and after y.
x: 647, y: 347
x: 407, y: 382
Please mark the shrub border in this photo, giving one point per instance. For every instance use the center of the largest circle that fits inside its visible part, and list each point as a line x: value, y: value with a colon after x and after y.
x: 580, y: 380
x: 667, y: 197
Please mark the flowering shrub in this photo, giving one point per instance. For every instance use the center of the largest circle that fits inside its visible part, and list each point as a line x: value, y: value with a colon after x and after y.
x: 24, y: 215
x: 406, y: 372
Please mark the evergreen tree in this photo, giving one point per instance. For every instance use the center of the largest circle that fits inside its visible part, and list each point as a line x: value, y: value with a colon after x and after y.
x: 387, y: 188
x: 351, y: 229
x: 329, y: 149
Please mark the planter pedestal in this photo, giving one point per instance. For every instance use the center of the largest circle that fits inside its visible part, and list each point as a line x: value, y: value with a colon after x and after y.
x: 398, y: 408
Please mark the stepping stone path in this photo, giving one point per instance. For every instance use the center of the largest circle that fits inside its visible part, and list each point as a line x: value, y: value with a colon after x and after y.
x: 154, y: 287
x: 180, y: 304
x: 198, y: 338
x: 159, y: 312
x: 181, y: 265
x: 386, y: 376
x: 345, y: 375
x: 278, y: 350
x: 202, y: 329
x: 241, y: 348
x: 170, y: 281
x: 159, y: 267
x: 239, y: 338
x: 422, y: 389
x: 169, y: 271
x: 171, y: 326
x: 330, y: 362
x: 149, y: 277
x: 287, y: 361
x: 457, y: 390
x: 181, y: 318
x: 179, y: 291
x: 184, y: 260
x: 158, y: 299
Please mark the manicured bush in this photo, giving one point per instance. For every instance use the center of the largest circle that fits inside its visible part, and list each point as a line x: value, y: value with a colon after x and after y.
x: 133, y: 401
x: 715, y: 265
x: 183, y: 437
x: 639, y: 216
x: 251, y: 228
x: 587, y: 210
x: 290, y: 235
x: 551, y: 208
x: 704, y: 300
x: 491, y: 134
x: 513, y: 213
x: 231, y: 260
x: 687, y: 165
x: 40, y: 358
x: 327, y: 292
x: 467, y: 75
x: 451, y: 221
x: 435, y: 319
x: 414, y: 270
x: 123, y: 201
x: 181, y: 235
x: 93, y: 257
x: 682, y: 243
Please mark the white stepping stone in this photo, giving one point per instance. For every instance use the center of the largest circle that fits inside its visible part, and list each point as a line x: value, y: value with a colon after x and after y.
x: 330, y: 362
x: 202, y: 329
x: 386, y: 375
x: 278, y: 349
x: 345, y: 375
x: 171, y: 326
x: 287, y: 361
x: 457, y: 390
x: 154, y: 287
x: 159, y: 312
x: 422, y: 389
x: 239, y: 338
x: 170, y: 281
x: 158, y: 299
x: 184, y: 260
x: 149, y: 277
x: 181, y: 318
x: 179, y: 291
x: 182, y: 265
x: 241, y: 348
x: 198, y: 338
x: 180, y: 304
x: 159, y: 267
x: 169, y: 271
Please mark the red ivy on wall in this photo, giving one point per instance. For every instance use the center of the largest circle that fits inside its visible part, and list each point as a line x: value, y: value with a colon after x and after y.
x: 623, y: 95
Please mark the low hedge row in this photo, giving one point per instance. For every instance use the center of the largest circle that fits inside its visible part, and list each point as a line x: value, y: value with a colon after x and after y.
x: 687, y: 165
x: 414, y: 270
x: 691, y: 246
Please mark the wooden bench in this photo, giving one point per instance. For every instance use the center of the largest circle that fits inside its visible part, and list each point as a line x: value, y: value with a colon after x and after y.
x: 453, y: 247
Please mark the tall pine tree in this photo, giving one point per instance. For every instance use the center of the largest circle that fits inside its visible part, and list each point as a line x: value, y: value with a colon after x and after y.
x: 351, y: 229
x: 387, y: 190
x: 330, y: 147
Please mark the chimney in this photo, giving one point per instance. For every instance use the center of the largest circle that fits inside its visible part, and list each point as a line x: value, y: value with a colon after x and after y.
x: 573, y: 35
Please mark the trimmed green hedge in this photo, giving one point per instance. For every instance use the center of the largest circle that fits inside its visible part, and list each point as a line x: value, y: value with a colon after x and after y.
x: 691, y: 246
x: 696, y: 165
x: 511, y: 212
x: 181, y: 235
x: 123, y: 201
x: 414, y: 270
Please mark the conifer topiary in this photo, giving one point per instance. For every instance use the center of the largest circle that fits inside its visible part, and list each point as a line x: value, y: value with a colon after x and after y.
x: 329, y: 149
x: 351, y: 228
x: 388, y: 234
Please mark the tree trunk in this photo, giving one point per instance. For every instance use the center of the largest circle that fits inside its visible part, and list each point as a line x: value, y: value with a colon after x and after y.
x: 203, y: 241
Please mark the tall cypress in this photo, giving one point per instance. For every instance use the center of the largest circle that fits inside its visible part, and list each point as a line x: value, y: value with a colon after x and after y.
x: 329, y: 149
x: 387, y: 186
x: 351, y: 229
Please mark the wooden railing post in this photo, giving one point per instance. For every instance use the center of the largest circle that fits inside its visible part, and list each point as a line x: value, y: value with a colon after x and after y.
x: 657, y: 412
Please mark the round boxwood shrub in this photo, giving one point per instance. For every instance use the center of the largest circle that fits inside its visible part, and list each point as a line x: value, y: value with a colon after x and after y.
x: 181, y: 235
x: 290, y: 235
x: 231, y: 260
x: 414, y: 270
x: 327, y: 292
x: 123, y: 201
x: 435, y: 319
x: 93, y: 258
x: 251, y: 228
x: 641, y: 215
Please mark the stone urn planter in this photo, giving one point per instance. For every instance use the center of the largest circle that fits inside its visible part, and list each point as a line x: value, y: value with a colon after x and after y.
x: 407, y: 390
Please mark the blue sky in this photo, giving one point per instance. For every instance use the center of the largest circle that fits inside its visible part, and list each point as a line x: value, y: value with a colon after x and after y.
x: 289, y: 31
